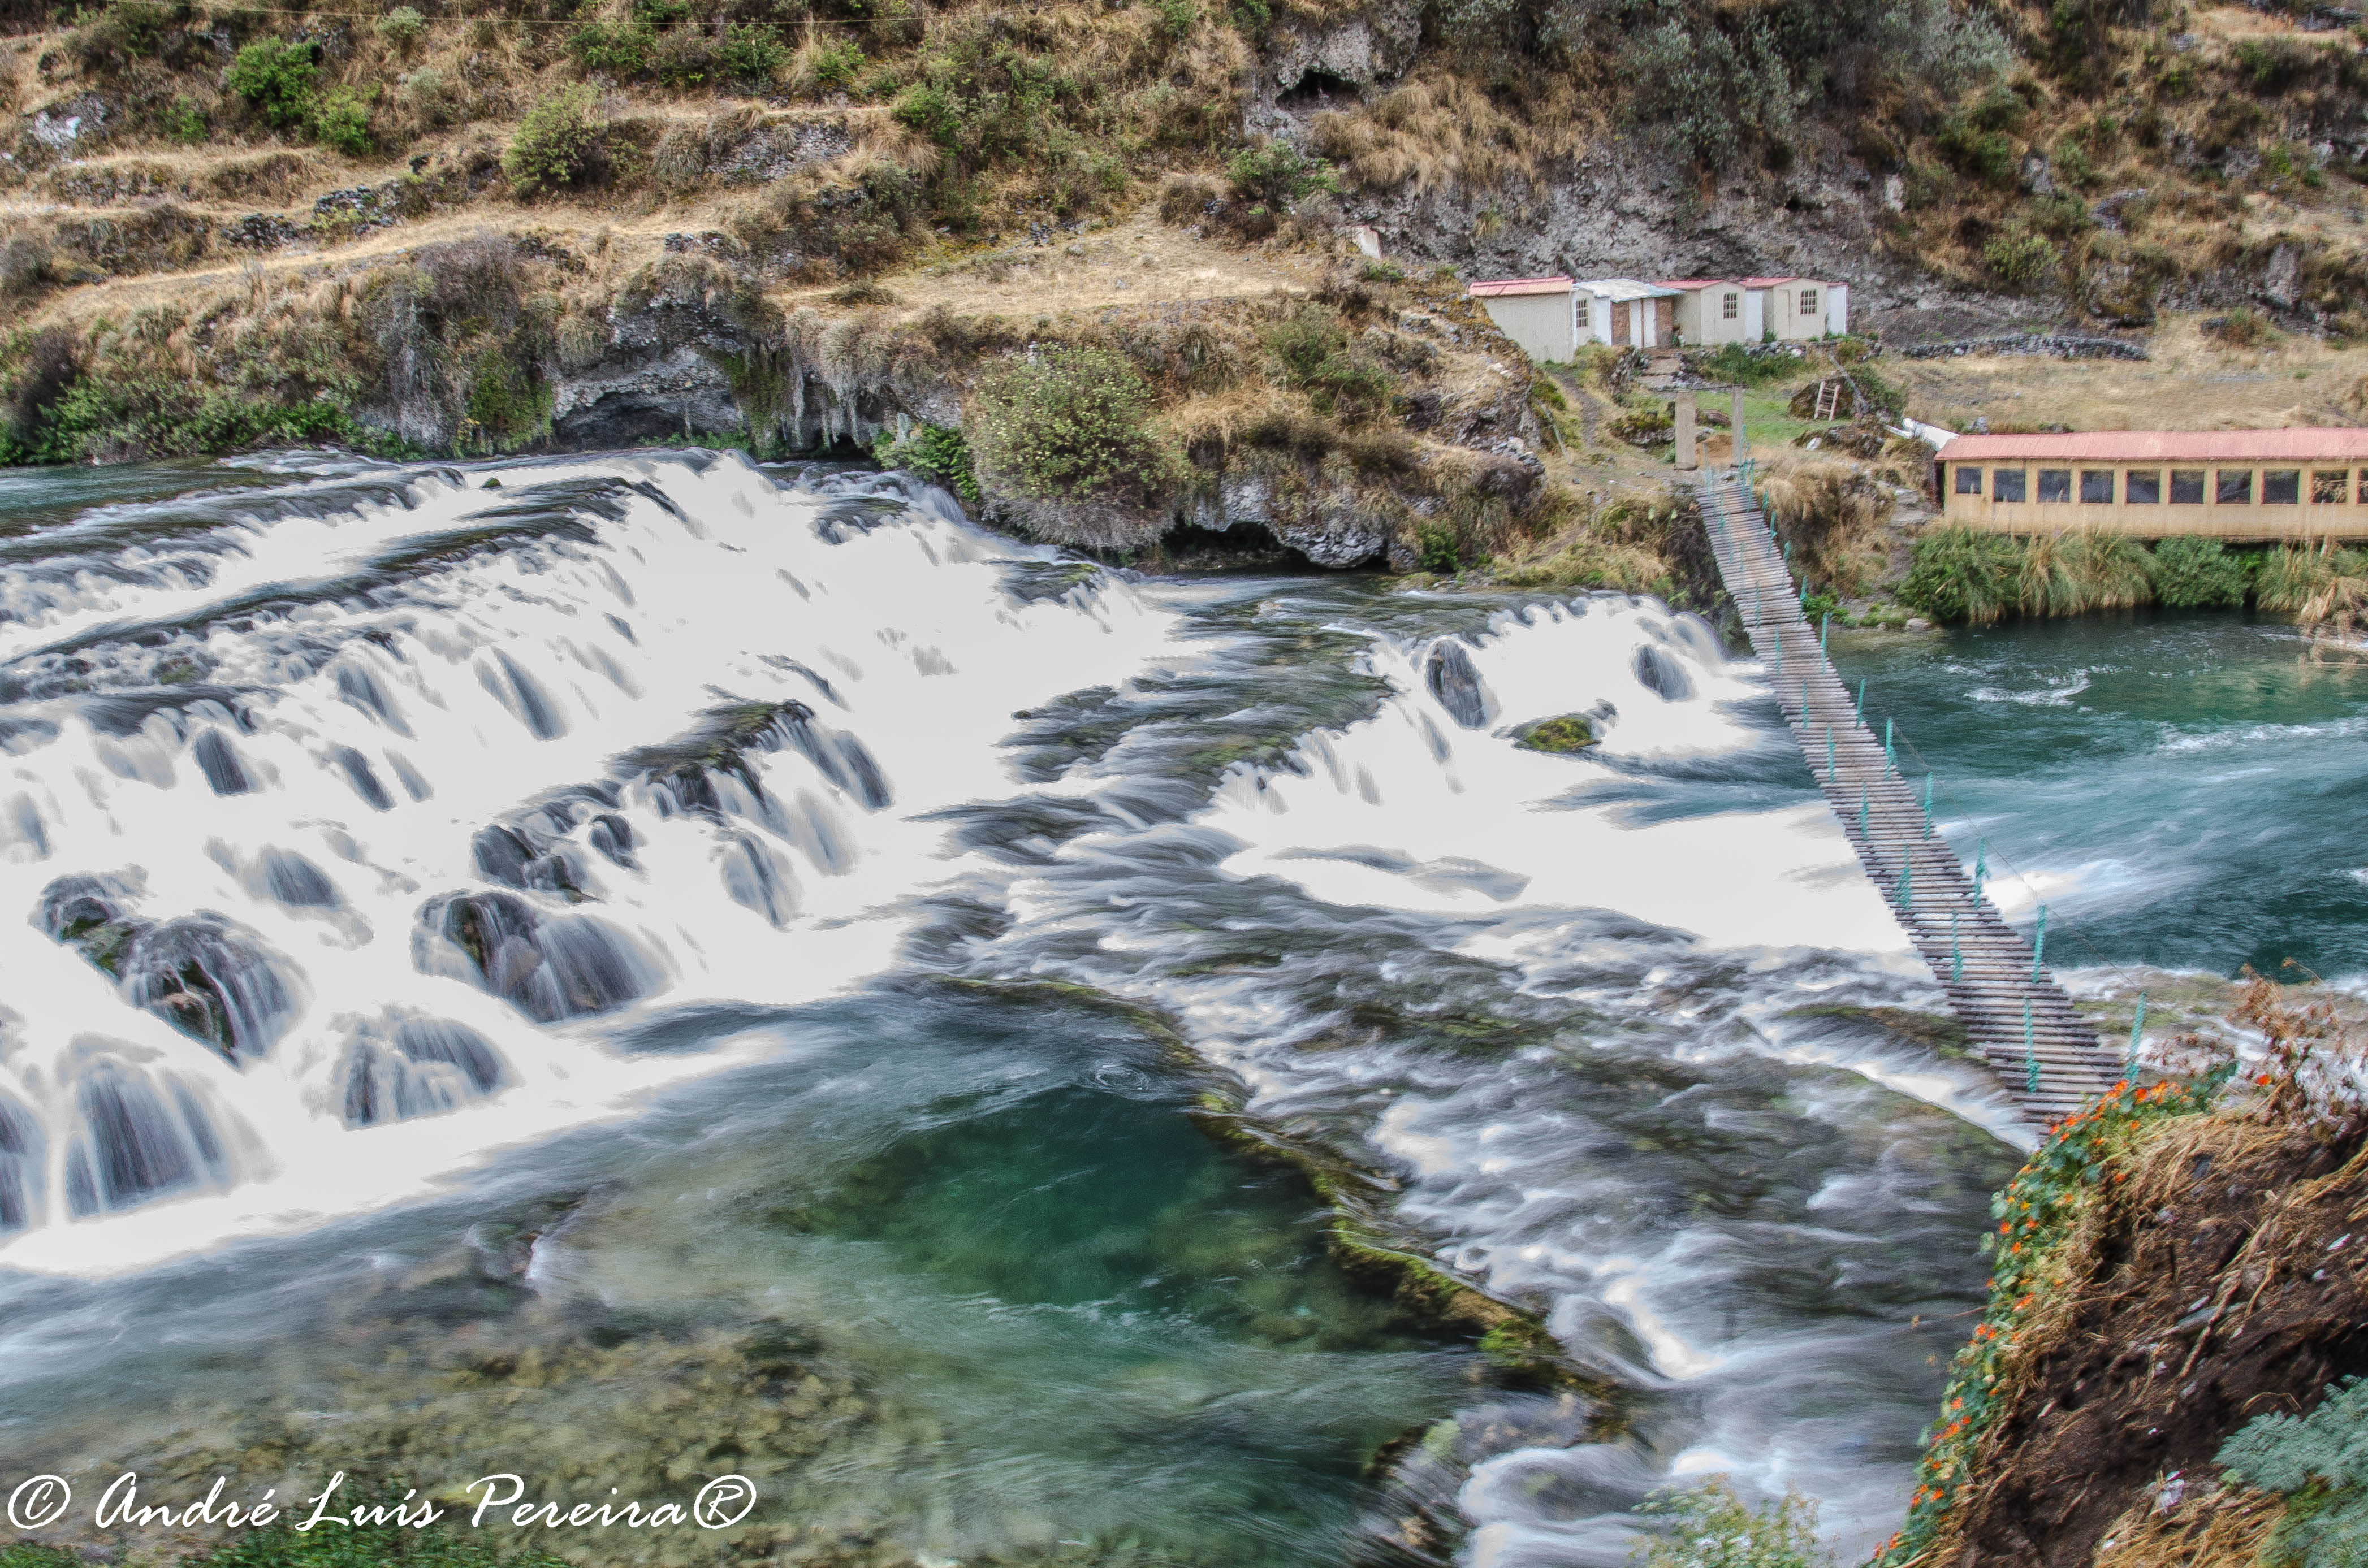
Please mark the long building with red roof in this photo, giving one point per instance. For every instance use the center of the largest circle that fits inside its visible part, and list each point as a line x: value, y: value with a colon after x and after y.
x: 2298, y: 483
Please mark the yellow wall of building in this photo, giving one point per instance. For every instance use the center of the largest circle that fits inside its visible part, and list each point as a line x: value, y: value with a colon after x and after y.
x: 2255, y: 519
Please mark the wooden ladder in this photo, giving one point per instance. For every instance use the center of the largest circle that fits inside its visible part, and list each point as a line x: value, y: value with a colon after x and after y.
x: 2015, y: 1014
x: 1829, y: 398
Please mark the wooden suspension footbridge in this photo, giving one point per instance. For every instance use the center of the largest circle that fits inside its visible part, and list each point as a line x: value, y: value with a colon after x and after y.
x: 2014, y: 1013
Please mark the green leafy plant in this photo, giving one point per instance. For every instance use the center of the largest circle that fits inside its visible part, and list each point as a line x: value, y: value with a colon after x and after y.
x: 619, y: 49
x: 1316, y: 357
x: 2197, y: 573
x: 1068, y: 423
x: 936, y: 453
x: 342, y: 119
x: 401, y: 27
x: 2319, y: 1463
x: 753, y: 51
x: 2019, y: 257
x: 185, y: 122
x: 275, y: 79
x: 1177, y: 17
x: 1276, y: 174
x: 839, y: 65
x: 557, y: 144
x: 1710, y: 1526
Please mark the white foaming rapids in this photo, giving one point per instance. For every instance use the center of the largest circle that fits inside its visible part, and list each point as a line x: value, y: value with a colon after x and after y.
x: 454, y: 698
x: 1413, y: 810
x: 1673, y: 884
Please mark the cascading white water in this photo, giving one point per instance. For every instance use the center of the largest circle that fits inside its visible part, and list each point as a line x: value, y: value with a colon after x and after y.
x: 351, y: 828
x: 362, y: 826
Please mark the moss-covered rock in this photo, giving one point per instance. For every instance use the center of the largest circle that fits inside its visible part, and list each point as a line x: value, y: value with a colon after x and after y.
x: 1565, y: 735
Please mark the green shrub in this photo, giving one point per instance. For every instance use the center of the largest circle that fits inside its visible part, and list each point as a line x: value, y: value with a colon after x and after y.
x: 275, y: 79
x: 1069, y: 423
x: 341, y: 121
x: 839, y: 65
x: 2019, y: 259
x: 1177, y: 17
x: 1312, y: 346
x: 1276, y: 174
x: 619, y: 49
x: 935, y: 454
x: 184, y: 122
x: 401, y: 28
x: 125, y: 31
x: 2319, y: 1462
x: 1710, y: 1526
x: 2197, y: 573
x: 1987, y: 155
x: 753, y: 51
x: 682, y: 59
x: 1963, y: 575
x: 508, y: 404
x: 557, y: 144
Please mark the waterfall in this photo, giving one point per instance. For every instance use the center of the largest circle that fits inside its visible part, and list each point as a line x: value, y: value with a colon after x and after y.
x: 354, y: 822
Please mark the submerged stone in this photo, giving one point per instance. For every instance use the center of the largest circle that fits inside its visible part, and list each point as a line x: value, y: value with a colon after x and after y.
x: 210, y: 981
x: 1456, y: 684
x: 561, y: 966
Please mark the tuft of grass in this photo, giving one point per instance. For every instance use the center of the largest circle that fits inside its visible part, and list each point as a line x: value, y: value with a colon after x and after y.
x: 2197, y: 573
x: 2326, y: 589
x: 1963, y: 574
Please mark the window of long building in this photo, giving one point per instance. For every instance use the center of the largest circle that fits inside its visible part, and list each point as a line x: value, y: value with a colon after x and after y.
x: 2056, y: 485
x: 1969, y: 478
x: 2331, y: 486
x: 2187, y: 486
x: 2234, y: 487
x: 2144, y: 487
x: 2005, y: 484
x: 2282, y: 487
x: 2096, y: 485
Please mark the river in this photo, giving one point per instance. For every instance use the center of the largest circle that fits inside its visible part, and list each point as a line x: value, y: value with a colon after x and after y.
x: 623, y: 970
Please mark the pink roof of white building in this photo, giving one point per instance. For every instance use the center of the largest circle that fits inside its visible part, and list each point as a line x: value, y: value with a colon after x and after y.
x: 1556, y: 285
x: 1690, y: 283
x: 2291, y: 444
x: 1772, y: 282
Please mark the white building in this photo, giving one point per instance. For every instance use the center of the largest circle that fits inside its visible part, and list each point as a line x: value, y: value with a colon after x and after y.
x: 1790, y: 309
x: 1623, y: 312
x: 1710, y: 311
x: 1535, y: 312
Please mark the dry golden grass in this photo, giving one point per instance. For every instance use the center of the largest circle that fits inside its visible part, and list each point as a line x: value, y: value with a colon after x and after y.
x: 2211, y: 1530
x: 2191, y: 383
x: 1442, y: 133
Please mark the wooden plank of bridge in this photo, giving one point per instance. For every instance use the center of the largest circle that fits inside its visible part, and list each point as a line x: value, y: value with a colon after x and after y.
x: 2014, y: 1013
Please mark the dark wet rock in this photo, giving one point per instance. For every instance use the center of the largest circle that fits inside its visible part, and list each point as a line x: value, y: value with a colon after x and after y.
x: 1562, y: 736
x: 365, y: 782
x: 1457, y: 685
x: 612, y: 835
x: 548, y: 967
x: 20, y: 1164
x: 219, y: 760
x: 510, y: 856
x: 755, y: 879
x: 359, y: 687
x: 137, y: 1142
x: 429, y: 1066
x: 1661, y: 675
x: 414, y: 785
x: 532, y: 704
x: 93, y: 915
x: 212, y: 981
x: 684, y: 771
x: 297, y: 882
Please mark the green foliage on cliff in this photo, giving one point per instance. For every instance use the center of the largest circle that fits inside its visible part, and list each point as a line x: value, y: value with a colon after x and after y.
x: 1069, y: 422
x: 1963, y: 575
x: 275, y: 79
x: 2036, y: 1215
x: 2319, y: 1463
x: 937, y: 454
x: 556, y: 144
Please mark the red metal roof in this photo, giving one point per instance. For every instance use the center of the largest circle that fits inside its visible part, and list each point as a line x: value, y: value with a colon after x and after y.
x: 1772, y: 282
x: 2295, y: 444
x: 1521, y: 286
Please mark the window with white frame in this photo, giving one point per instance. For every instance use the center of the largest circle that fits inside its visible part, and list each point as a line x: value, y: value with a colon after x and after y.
x: 1730, y: 306
x: 1808, y: 302
x: 1582, y: 311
